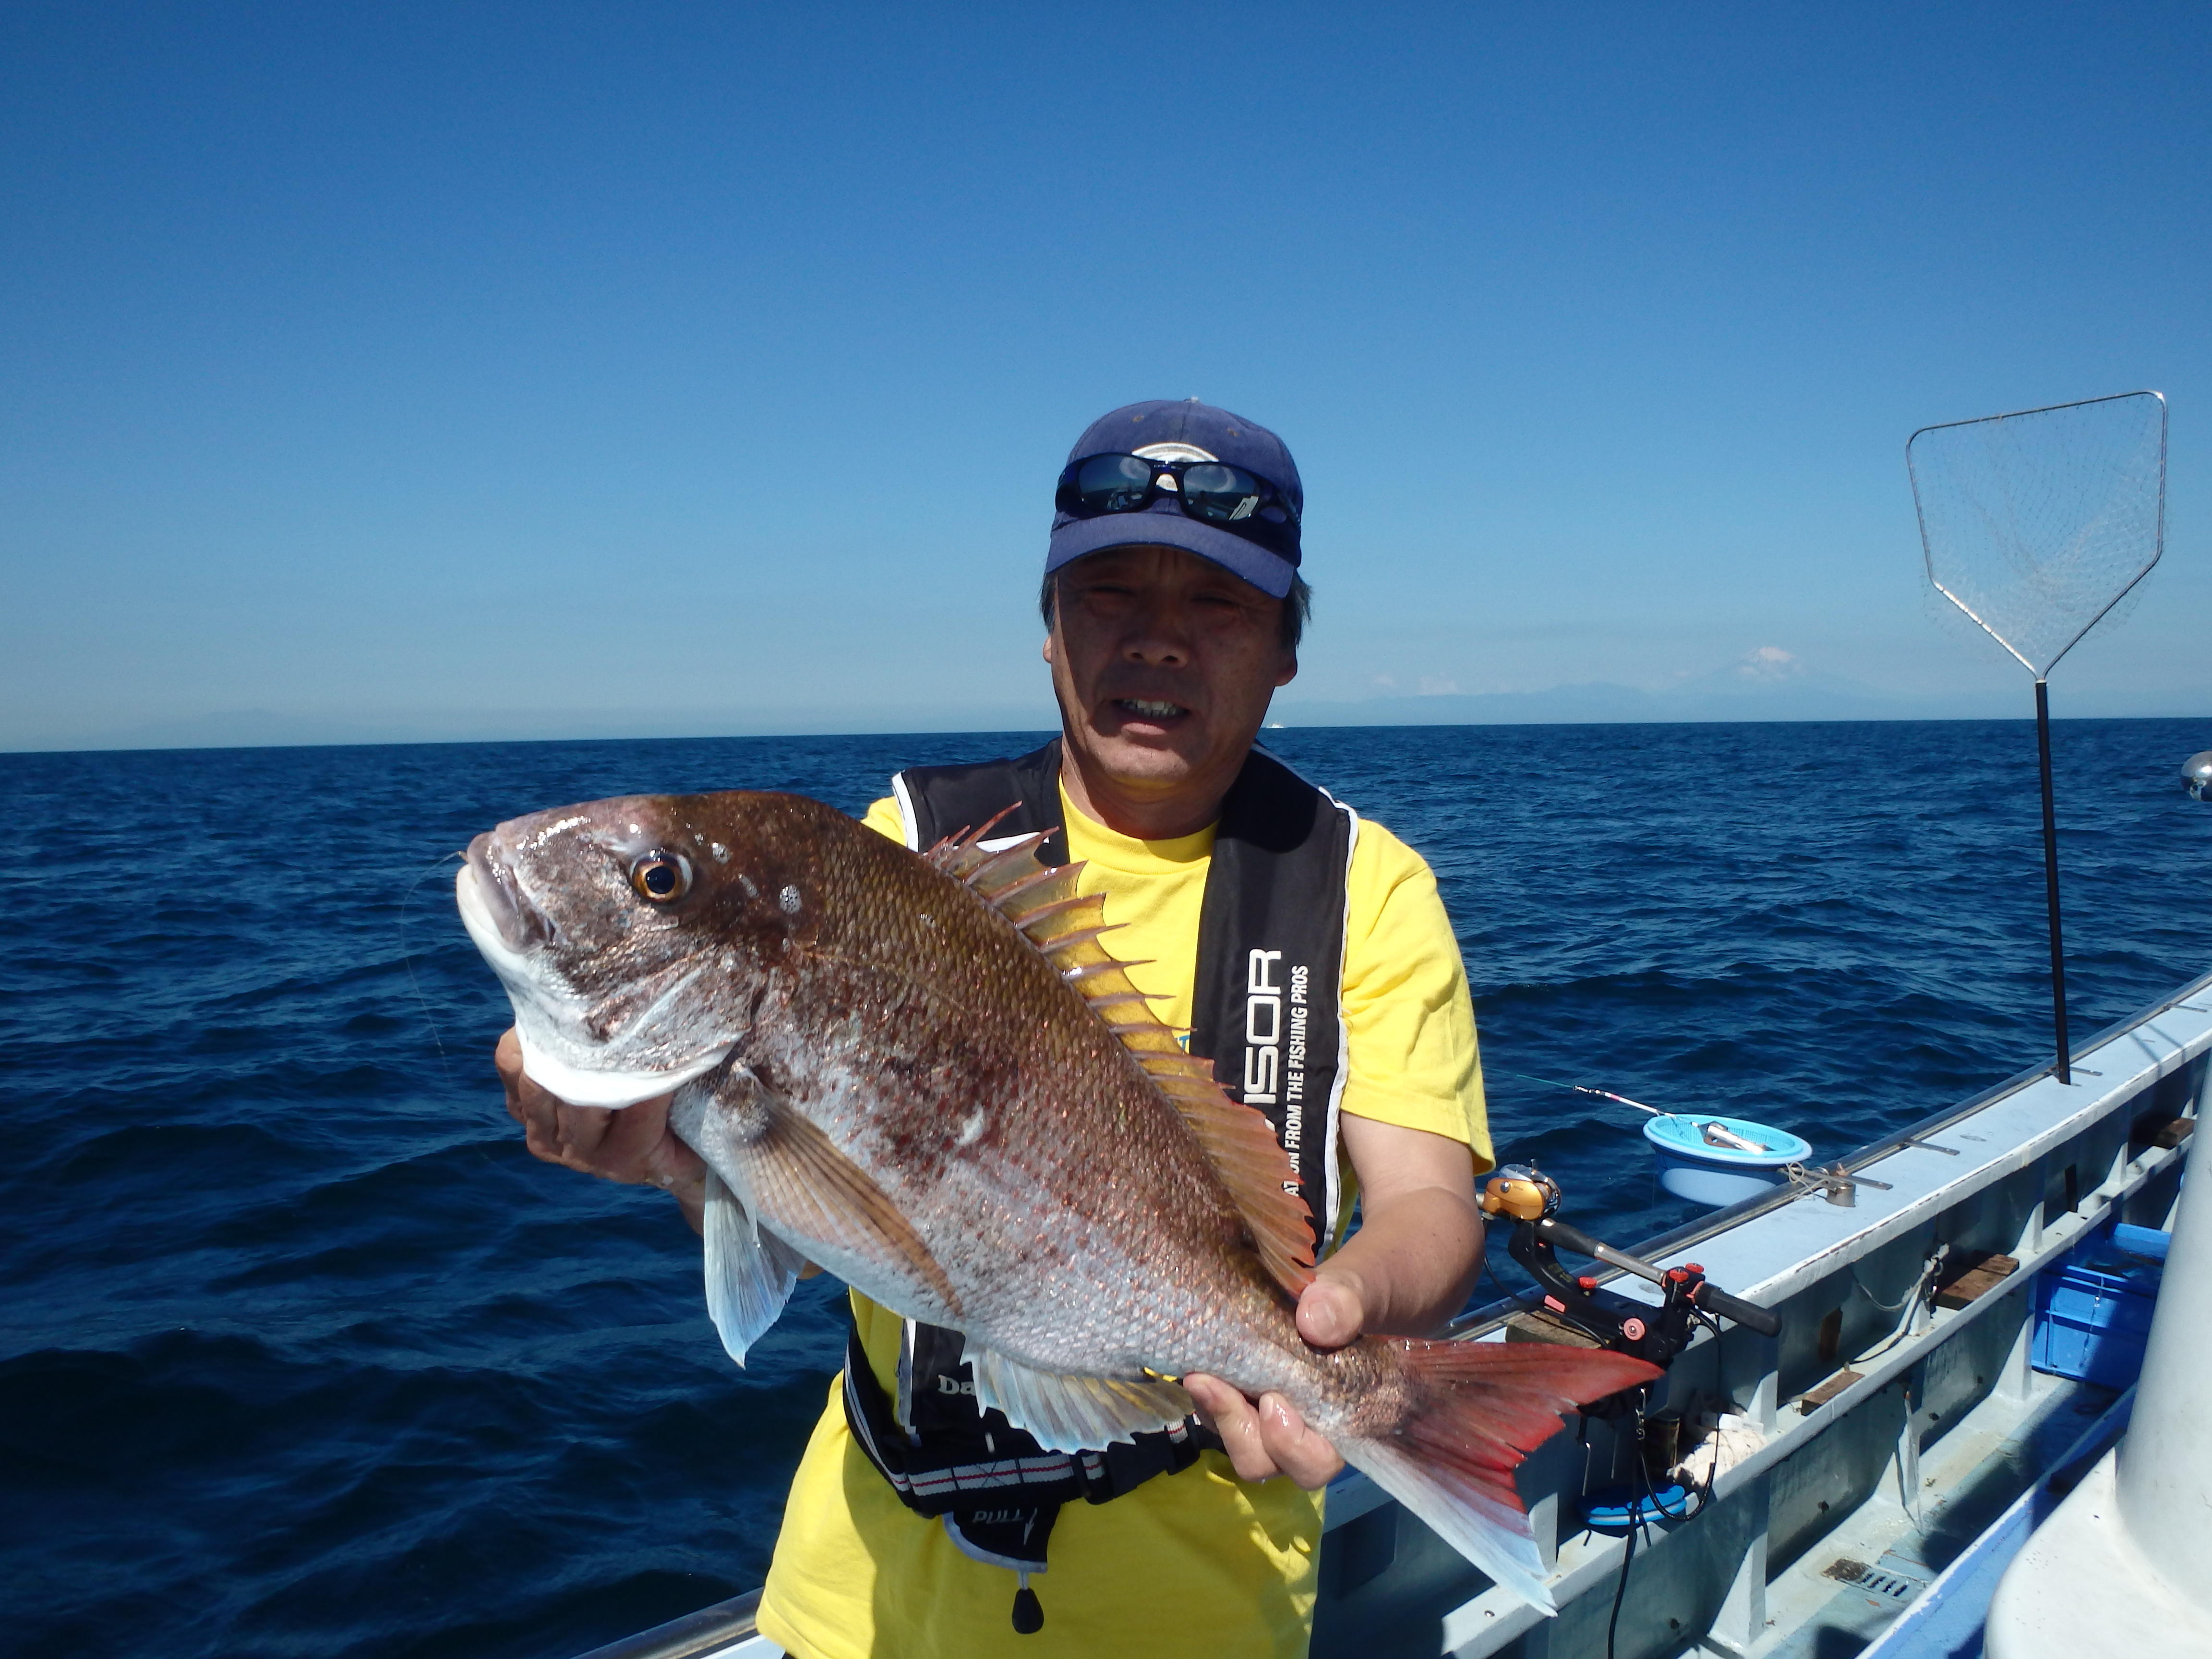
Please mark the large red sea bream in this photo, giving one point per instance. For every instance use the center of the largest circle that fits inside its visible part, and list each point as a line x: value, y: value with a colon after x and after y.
x: 926, y: 1073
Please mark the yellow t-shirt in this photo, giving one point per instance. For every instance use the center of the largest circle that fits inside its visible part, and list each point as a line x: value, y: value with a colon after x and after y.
x: 1197, y: 1563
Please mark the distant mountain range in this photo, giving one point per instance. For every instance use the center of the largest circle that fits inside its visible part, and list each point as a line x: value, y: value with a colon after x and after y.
x: 1600, y: 702
x: 1758, y: 691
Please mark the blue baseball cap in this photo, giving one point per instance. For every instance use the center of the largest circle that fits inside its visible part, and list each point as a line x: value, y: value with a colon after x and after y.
x: 1185, y: 431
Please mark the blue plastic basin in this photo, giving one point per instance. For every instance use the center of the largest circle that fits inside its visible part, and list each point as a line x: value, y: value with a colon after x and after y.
x: 1690, y: 1169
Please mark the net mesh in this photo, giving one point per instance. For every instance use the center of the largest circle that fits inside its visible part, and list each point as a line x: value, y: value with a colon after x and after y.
x: 2035, y: 525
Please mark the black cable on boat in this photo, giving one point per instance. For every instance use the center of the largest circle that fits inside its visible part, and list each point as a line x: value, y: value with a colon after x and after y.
x: 1635, y: 1524
x: 1619, y: 1593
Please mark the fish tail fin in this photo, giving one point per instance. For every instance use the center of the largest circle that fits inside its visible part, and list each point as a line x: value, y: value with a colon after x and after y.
x: 1475, y: 1410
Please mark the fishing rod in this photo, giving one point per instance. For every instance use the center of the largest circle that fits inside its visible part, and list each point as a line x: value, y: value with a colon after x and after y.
x: 1528, y: 1199
x: 1713, y: 1133
x: 1602, y: 1094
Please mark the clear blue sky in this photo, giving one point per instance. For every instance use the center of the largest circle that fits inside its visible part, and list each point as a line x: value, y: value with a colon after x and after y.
x: 535, y: 370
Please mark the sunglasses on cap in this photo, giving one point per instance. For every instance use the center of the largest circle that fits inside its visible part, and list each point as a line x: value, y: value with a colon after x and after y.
x: 1213, y: 492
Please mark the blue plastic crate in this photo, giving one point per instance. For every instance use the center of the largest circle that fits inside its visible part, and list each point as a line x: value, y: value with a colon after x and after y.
x: 2148, y: 1243
x: 2093, y: 1316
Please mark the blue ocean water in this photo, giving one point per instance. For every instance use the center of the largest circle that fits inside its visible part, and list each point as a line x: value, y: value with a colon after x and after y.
x: 301, y: 1353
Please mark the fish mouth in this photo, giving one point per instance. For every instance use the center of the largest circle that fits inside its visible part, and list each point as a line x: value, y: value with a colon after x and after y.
x: 561, y: 1051
x: 488, y: 886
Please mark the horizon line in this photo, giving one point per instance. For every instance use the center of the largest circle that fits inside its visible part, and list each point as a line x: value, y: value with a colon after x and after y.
x: 1022, y: 731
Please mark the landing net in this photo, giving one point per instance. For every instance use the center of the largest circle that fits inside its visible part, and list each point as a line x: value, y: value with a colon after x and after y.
x: 2037, y: 524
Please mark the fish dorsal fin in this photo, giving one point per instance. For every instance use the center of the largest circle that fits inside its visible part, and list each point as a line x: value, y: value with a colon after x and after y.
x: 1068, y: 927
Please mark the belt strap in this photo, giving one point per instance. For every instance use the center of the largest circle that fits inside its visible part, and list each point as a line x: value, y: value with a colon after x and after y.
x: 975, y: 1470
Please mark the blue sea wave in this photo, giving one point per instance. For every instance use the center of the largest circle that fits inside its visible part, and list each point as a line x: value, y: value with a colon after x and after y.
x: 301, y: 1352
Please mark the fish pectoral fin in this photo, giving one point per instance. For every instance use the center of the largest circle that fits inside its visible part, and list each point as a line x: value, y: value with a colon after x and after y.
x: 799, y: 1175
x: 1074, y: 1413
x: 749, y: 1273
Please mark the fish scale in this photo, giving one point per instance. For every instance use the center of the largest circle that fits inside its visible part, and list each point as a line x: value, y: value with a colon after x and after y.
x: 928, y: 1074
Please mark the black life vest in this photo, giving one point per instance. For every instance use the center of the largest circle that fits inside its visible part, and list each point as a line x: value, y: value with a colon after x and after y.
x: 1265, y: 1007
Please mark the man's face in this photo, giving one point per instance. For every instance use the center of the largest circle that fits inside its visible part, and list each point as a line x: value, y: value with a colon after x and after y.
x: 1164, y: 664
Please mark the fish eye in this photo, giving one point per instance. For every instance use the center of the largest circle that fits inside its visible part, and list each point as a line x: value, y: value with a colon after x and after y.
x: 661, y: 878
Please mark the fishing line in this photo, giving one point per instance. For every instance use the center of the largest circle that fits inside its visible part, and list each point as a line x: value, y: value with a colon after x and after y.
x: 1713, y: 1131
x: 1602, y: 1094
x: 407, y: 961
x: 1490, y: 1273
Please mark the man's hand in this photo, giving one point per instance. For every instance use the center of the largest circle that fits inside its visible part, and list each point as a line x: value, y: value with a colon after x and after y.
x: 1408, y: 1270
x: 633, y: 1144
x: 1266, y: 1437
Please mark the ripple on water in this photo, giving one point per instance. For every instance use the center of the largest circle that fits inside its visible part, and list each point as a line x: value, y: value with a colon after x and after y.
x: 300, y: 1352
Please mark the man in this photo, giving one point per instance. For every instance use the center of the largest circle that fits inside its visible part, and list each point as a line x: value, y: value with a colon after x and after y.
x: 1307, y: 954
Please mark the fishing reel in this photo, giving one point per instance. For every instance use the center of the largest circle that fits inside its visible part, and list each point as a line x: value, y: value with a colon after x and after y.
x: 1530, y: 1200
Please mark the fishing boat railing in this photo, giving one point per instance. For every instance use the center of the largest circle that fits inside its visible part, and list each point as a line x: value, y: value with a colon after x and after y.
x: 1867, y: 1372
x: 712, y: 1630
